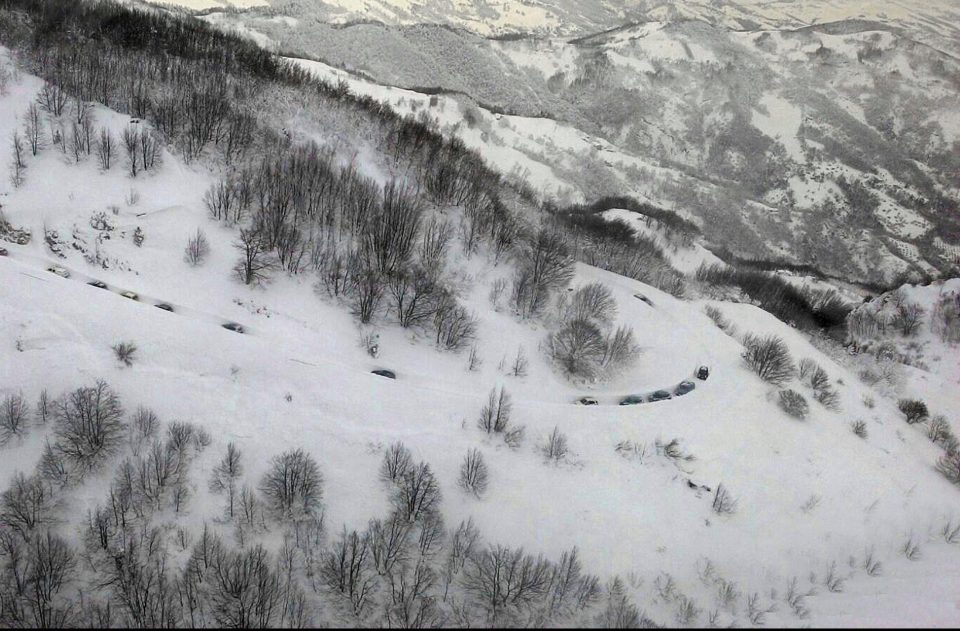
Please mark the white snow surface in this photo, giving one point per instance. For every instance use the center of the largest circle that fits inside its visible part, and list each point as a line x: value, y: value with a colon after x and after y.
x: 629, y: 517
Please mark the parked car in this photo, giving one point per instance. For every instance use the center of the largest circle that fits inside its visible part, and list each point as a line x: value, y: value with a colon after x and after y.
x: 389, y: 374
x: 633, y: 399
x: 643, y: 298
x: 233, y: 326
x: 3, y: 252
x: 129, y: 294
x: 702, y: 373
x: 587, y: 401
x: 164, y: 306
x: 684, y: 387
x: 99, y: 284
x: 59, y: 271
x: 660, y: 395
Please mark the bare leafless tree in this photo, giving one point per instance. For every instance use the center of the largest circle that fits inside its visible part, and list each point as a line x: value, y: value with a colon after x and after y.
x: 226, y: 476
x: 474, y: 476
x: 293, y: 485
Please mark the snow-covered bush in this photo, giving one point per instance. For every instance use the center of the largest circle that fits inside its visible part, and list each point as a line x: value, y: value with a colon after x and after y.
x: 226, y: 476
x: 555, y: 448
x: 197, y: 250
x: 125, y: 352
x: 769, y: 358
x: 793, y: 403
x: 859, y: 428
x: 723, y: 502
x: 914, y: 410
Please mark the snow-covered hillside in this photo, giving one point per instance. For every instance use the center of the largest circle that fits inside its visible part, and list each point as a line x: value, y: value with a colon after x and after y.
x: 816, y: 504
x: 816, y: 142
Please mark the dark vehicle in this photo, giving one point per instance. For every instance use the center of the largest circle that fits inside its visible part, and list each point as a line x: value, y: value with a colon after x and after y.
x: 233, y: 326
x: 633, y: 399
x: 702, y: 373
x: 660, y: 395
x: 684, y: 387
x: 164, y: 306
x: 587, y: 401
x: 3, y: 252
x: 643, y: 298
x: 99, y: 284
x: 389, y: 374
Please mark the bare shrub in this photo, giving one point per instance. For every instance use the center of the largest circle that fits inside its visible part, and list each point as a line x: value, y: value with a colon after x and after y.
x: 495, y: 416
x: 89, y: 424
x: 197, y: 250
x: 125, y: 352
x: 769, y: 358
x: 723, y: 502
x: 832, y: 580
x: 43, y: 407
x: 911, y: 549
x: 940, y: 433
x: 555, y: 449
x: 908, y: 318
x: 914, y: 410
x: 859, y: 428
x: 793, y: 403
x: 621, y: 349
x: 455, y: 327
x: 871, y: 565
x: 474, y: 476
x: 14, y: 419
x: 293, y: 486
x: 949, y: 466
x: 520, y: 364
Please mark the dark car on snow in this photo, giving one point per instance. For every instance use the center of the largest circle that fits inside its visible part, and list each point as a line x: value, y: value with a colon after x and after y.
x: 99, y: 284
x: 633, y: 399
x: 164, y: 306
x: 389, y: 374
x: 684, y: 388
x: 660, y: 395
x: 233, y: 326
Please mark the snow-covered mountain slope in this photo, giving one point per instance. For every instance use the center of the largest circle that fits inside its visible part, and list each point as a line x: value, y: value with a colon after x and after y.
x: 568, y: 17
x: 814, y: 500
x: 831, y: 145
